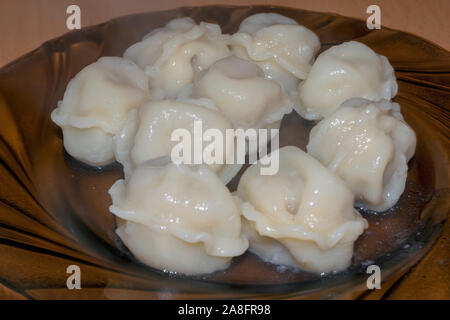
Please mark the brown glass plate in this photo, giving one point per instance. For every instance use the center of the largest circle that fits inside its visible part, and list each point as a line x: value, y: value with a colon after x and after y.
x: 54, y: 210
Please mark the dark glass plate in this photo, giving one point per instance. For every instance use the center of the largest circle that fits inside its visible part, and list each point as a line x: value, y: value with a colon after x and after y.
x: 54, y: 210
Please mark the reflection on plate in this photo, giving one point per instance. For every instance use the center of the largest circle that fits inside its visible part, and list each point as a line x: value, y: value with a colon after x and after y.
x: 54, y: 210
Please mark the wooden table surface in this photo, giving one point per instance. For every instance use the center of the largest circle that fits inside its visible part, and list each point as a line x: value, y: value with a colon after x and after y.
x: 25, y: 24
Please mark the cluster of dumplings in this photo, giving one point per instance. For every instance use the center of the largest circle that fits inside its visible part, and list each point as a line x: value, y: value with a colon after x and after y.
x: 182, y: 218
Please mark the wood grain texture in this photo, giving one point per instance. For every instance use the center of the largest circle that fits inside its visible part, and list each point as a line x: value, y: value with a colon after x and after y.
x: 25, y: 24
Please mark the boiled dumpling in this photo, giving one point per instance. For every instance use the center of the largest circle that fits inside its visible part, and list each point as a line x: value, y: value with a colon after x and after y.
x: 349, y: 70
x: 166, y: 252
x: 258, y: 21
x: 147, y: 133
x: 178, y: 218
x: 282, y: 48
x: 242, y: 93
x: 95, y: 106
x: 173, y: 54
x: 368, y: 145
x: 146, y: 52
x: 302, y: 216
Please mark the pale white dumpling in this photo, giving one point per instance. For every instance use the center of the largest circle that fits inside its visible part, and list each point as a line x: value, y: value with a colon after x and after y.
x: 302, y: 216
x: 95, y: 106
x: 284, y: 49
x: 148, y: 131
x: 172, y: 55
x: 368, y: 145
x: 349, y: 70
x: 242, y: 93
x: 281, y: 47
x: 259, y: 21
x: 146, y: 52
x: 178, y: 218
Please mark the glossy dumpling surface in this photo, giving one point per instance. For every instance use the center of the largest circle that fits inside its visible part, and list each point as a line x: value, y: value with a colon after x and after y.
x: 172, y: 55
x: 279, y: 43
x: 178, y: 218
x: 148, y: 133
x: 368, y: 145
x: 242, y: 93
x: 302, y: 216
x: 348, y: 70
x: 95, y: 105
x: 258, y: 21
